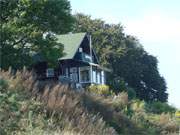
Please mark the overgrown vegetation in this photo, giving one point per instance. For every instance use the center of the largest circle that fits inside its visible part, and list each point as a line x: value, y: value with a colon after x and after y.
x: 31, y: 107
x: 28, y: 106
x: 28, y: 36
x: 102, y: 90
x: 133, y: 103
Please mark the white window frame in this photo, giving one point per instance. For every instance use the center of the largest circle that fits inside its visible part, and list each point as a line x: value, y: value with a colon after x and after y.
x: 82, y: 69
x: 94, y: 76
x: 50, y: 72
x: 98, y: 77
x: 102, y: 77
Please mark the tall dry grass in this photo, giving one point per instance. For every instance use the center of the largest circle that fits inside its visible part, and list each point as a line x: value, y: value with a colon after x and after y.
x: 63, y: 106
x: 57, y: 109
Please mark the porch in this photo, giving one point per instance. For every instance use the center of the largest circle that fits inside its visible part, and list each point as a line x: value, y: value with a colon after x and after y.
x: 84, y: 75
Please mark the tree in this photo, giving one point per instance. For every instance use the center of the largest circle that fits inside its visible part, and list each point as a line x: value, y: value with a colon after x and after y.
x: 140, y: 71
x: 108, y: 39
x: 28, y: 27
x: 126, y: 57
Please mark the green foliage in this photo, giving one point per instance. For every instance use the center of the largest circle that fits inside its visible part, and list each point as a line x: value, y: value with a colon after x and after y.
x: 14, y: 106
x: 31, y: 107
x: 119, y: 85
x: 3, y: 84
x: 131, y: 93
x: 159, y: 107
x: 104, y: 37
x: 136, y: 67
x: 28, y: 27
x: 138, y: 105
x: 102, y: 90
x: 177, y: 113
x: 152, y: 122
x: 177, y: 116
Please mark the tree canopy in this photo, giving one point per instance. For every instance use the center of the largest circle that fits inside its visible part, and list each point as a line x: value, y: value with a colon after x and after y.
x: 28, y: 27
x: 126, y: 57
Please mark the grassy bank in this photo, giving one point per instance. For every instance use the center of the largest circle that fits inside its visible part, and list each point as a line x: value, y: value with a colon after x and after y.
x: 28, y: 106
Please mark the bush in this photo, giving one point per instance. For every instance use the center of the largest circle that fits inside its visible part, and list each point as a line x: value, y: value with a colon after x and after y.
x: 177, y: 116
x: 3, y: 84
x: 167, y: 124
x: 121, y: 100
x: 118, y: 84
x: 159, y: 107
x: 138, y: 105
x: 131, y: 93
x: 102, y: 90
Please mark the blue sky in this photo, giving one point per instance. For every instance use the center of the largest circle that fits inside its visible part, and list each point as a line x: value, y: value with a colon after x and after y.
x: 156, y: 23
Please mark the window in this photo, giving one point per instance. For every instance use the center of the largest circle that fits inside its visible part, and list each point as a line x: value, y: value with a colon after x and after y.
x: 80, y: 49
x: 73, y: 70
x: 73, y: 74
x: 85, y: 74
x: 87, y: 57
x: 94, y: 76
x: 50, y: 72
x: 102, y: 77
x: 98, y: 77
x: 74, y: 77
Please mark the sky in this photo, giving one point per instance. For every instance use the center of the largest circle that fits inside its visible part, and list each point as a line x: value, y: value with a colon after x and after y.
x: 156, y: 23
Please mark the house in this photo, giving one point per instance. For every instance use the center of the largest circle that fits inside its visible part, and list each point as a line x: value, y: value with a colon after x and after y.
x: 80, y: 64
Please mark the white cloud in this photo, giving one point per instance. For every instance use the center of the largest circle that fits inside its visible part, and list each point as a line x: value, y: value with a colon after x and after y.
x: 154, y: 26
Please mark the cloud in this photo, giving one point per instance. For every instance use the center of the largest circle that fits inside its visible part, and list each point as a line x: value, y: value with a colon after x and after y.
x: 154, y: 26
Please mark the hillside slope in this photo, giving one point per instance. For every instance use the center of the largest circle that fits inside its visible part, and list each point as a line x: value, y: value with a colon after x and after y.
x: 28, y: 106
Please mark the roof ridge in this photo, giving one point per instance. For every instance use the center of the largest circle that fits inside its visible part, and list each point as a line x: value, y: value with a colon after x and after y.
x: 68, y: 34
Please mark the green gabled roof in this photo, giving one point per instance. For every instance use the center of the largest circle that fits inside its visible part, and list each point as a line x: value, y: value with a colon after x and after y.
x: 71, y: 43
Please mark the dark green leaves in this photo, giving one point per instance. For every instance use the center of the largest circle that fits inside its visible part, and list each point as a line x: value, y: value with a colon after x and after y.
x: 24, y: 23
x: 126, y: 57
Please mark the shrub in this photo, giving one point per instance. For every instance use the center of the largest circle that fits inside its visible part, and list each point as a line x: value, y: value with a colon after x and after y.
x: 159, y: 107
x: 138, y: 105
x: 167, y: 124
x: 3, y: 84
x: 102, y: 90
x: 131, y: 93
x: 177, y: 116
x: 121, y: 100
x: 118, y: 84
